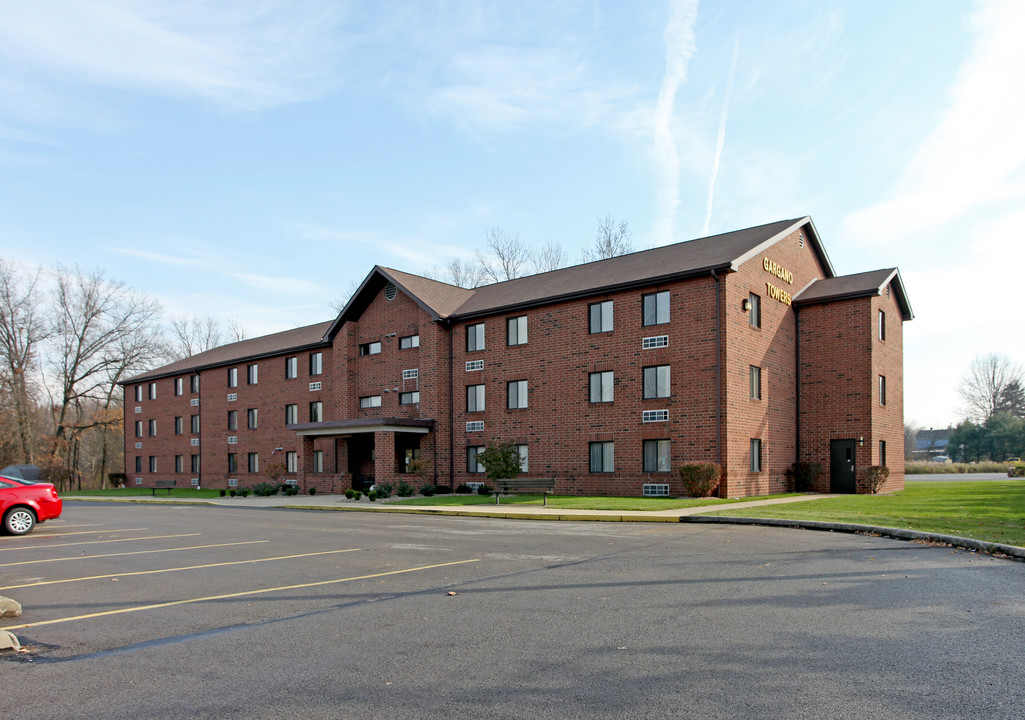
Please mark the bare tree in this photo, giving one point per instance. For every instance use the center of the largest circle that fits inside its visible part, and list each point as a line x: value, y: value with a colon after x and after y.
x: 22, y: 328
x: 987, y: 379
x: 191, y: 334
x: 611, y: 240
x: 343, y: 300
x: 911, y: 430
x: 506, y: 256
x: 550, y: 256
x: 236, y: 333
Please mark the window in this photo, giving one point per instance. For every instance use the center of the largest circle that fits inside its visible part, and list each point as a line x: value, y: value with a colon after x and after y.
x: 179, y: 386
x: 409, y: 341
x: 517, y: 394
x: 601, y: 384
x: 656, y: 381
x: 194, y: 384
x: 194, y: 423
x: 600, y: 317
x: 473, y: 365
x: 882, y: 325
x: 138, y: 463
x: 291, y: 368
x: 602, y: 457
x: 291, y: 414
x: 232, y: 482
x: 315, y: 386
x: 882, y: 452
x: 194, y: 463
x: 655, y: 341
x: 152, y: 428
x: 756, y: 455
x: 232, y: 463
x: 409, y: 398
x: 650, y: 416
x: 656, y: 456
x: 152, y: 391
x: 475, y: 337
x: 656, y: 308
x: 517, y: 330
x: 472, y: 463
x: 138, y: 428
x: 179, y: 463
x: 316, y: 363
x: 233, y: 419
x: 252, y: 374
x: 253, y: 462
x: 317, y: 411
x: 370, y: 401
x: 252, y: 418
x: 755, y: 310
x: 138, y: 396
x: 371, y: 348
x: 755, y: 382
x: 232, y: 377
x: 475, y: 398
x: 291, y: 461
x: 475, y: 426
x: 882, y: 390
x: 152, y: 463
x: 179, y: 425
x: 411, y: 374
x: 524, y: 457
x: 318, y: 461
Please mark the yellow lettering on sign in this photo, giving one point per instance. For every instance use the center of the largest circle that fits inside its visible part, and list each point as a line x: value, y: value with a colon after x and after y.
x: 780, y: 272
x: 777, y: 294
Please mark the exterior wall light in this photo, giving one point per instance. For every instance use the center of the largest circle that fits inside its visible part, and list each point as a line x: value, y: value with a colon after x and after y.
x: 746, y: 304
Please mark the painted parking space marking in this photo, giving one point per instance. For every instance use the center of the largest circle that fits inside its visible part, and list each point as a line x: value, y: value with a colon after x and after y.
x: 178, y: 569
x: 84, y: 532
x: 244, y: 593
x: 101, y: 542
x: 134, y: 552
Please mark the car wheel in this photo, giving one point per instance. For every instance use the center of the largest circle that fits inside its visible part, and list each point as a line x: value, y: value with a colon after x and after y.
x: 19, y: 521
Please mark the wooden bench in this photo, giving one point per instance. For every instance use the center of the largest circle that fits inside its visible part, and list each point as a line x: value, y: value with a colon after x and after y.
x: 515, y: 485
x: 163, y: 485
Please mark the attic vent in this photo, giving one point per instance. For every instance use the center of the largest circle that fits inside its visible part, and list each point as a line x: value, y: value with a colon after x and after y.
x: 390, y: 290
x: 800, y: 239
x: 887, y: 291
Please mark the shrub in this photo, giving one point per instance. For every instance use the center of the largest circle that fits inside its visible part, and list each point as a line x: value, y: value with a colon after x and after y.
x: 291, y: 490
x: 223, y: 493
x: 443, y: 489
x: 428, y: 490
x: 356, y: 494
x: 265, y: 489
x: 803, y: 475
x: 372, y: 495
x: 233, y: 492
x: 349, y: 493
x: 244, y: 492
x: 464, y: 489
x: 313, y: 491
x: 405, y: 490
x: 873, y: 477
x: 483, y: 490
x: 700, y: 479
x: 384, y: 490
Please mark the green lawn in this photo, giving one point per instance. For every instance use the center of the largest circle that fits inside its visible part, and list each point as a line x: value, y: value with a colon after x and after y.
x: 574, y: 502
x: 993, y: 511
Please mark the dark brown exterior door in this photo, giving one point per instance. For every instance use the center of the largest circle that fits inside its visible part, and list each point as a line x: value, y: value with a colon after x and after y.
x: 841, y: 466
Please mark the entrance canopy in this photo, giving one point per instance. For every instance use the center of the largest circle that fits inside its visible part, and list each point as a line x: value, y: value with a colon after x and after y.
x: 362, y: 426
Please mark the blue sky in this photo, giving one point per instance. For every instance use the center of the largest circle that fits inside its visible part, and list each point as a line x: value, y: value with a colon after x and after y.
x: 254, y: 160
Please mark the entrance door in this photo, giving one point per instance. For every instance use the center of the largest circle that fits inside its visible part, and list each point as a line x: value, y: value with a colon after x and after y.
x: 841, y: 466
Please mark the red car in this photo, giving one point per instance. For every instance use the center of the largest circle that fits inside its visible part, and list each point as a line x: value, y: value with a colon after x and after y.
x: 23, y: 504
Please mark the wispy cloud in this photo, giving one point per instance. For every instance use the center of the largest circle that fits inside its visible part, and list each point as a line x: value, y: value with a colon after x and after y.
x: 235, y: 53
x: 721, y: 138
x: 273, y: 284
x: 680, y: 48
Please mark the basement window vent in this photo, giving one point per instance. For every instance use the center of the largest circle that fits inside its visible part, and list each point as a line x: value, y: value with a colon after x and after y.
x: 194, y: 402
x: 390, y: 291
x: 475, y: 486
x: 232, y: 397
x: 475, y: 426
x: 410, y: 374
x: 474, y: 365
x: 314, y: 386
x: 656, y: 341
x: 138, y: 481
x: 655, y: 490
x: 195, y: 442
x: 233, y: 439
x: 655, y: 416
x: 138, y: 409
x: 138, y: 446
x: 195, y: 482
x: 232, y: 482
x: 291, y: 481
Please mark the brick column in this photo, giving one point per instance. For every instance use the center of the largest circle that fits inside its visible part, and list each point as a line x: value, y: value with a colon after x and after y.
x: 384, y: 458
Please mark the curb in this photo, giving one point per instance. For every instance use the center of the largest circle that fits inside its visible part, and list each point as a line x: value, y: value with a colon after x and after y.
x: 1013, y: 551
x: 413, y: 510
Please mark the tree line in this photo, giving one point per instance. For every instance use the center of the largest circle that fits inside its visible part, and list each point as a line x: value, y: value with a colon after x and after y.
x: 993, y: 428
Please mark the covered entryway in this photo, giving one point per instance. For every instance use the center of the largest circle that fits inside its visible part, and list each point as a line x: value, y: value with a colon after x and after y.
x: 842, y: 476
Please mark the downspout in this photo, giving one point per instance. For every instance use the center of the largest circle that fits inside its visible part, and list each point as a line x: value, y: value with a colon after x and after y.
x: 797, y: 383
x: 199, y: 412
x: 451, y: 415
x: 718, y: 372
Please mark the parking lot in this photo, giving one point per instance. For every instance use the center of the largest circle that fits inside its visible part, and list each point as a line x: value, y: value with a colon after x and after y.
x: 184, y: 611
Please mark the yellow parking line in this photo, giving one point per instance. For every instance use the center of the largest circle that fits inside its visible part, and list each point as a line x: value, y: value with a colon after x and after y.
x: 134, y: 552
x: 190, y: 567
x: 86, y: 532
x: 244, y: 593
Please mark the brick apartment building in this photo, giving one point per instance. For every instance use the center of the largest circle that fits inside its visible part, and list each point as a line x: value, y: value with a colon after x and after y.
x: 744, y: 349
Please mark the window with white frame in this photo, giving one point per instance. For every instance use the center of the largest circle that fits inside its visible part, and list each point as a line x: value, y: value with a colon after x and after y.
x: 650, y: 416
x: 138, y: 393
x: 232, y: 482
x: 475, y: 398
x: 252, y: 418
x: 291, y: 414
x: 656, y: 382
x: 292, y: 461
x: 317, y: 411
x: 655, y: 489
x: 410, y: 374
x: 232, y: 377
x: 179, y: 386
x: 882, y: 389
x: 252, y: 374
x: 472, y: 365
x: 600, y: 317
x: 516, y: 328
x: 316, y: 363
x: 656, y: 341
x: 656, y: 308
x: 472, y: 459
x: 882, y: 325
x: 517, y: 394
x: 409, y: 398
x: 603, y: 458
x: 194, y: 423
x: 291, y: 368
x: 370, y: 348
x: 524, y: 452
x: 152, y: 391
x: 656, y: 456
x: 602, y: 386
x: 756, y: 455
x: 370, y: 401
x: 318, y: 461
x: 138, y: 428
x: 408, y: 342
x: 475, y: 337
x: 475, y: 426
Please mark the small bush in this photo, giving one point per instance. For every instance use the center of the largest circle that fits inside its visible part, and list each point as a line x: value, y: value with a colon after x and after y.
x: 313, y: 491
x: 233, y: 492
x: 265, y: 489
x: 405, y: 490
x: 291, y: 490
x: 443, y: 489
x: 700, y: 479
x: 803, y: 475
x: 349, y: 493
x: 372, y: 495
x: 484, y: 490
x: 872, y: 477
x: 428, y: 490
x: 223, y: 493
x: 464, y: 489
x: 384, y: 491
x: 356, y: 494
x: 244, y: 492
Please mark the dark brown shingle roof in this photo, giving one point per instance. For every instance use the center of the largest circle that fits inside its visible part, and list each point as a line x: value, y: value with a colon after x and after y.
x: 865, y: 284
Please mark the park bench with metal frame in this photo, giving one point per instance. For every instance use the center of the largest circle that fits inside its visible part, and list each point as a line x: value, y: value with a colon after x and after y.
x: 163, y: 485
x: 515, y: 485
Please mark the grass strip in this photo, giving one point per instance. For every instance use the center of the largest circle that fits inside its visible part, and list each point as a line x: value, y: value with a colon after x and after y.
x: 576, y: 502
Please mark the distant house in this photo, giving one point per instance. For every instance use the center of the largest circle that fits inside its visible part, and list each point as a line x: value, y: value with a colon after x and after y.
x: 929, y: 443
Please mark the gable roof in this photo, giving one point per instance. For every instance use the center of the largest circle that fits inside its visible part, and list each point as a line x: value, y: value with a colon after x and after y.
x: 295, y: 339
x: 865, y: 284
